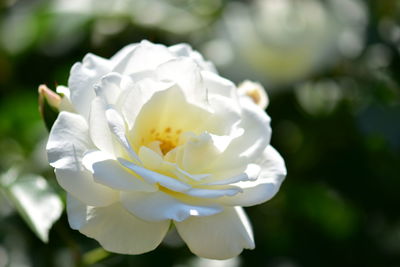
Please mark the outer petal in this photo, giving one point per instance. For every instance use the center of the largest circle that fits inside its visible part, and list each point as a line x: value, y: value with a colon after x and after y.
x: 219, y: 236
x: 116, y: 229
x: 226, y: 114
x: 99, y: 131
x: 252, y: 136
x: 68, y: 141
x: 123, y: 53
x: 80, y: 184
x: 247, y: 139
x: 110, y: 172
x: 110, y: 86
x: 161, y: 206
x: 273, y: 172
x: 76, y: 211
x: 184, y: 50
x: 186, y: 73
x: 145, y: 56
x: 219, y: 86
x: 232, y: 176
x: 82, y: 79
x: 257, y: 135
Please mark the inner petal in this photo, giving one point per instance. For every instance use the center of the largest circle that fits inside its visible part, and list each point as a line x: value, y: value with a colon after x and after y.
x: 183, y: 139
x: 164, y: 118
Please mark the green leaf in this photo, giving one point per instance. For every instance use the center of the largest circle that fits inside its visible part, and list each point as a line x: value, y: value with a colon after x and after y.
x: 34, y: 199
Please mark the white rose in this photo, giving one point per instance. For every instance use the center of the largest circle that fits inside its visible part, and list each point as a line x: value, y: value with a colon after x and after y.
x: 283, y: 41
x: 154, y: 137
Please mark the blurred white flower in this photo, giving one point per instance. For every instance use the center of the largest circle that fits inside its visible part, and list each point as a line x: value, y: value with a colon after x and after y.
x: 156, y: 137
x: 283, y: 41
x: 318, y: 97
x: 165, y: 14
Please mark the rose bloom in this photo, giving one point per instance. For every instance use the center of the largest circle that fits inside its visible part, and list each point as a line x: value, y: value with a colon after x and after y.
x: 154, y: 138
x: 285, y: 41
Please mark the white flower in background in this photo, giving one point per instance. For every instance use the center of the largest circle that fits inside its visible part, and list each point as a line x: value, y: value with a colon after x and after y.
x: 165, y: 14
x: 154, y: 137
x: 283, y: 41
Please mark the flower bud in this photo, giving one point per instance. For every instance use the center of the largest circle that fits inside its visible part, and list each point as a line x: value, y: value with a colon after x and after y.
x: 49, y: 103
x: 255, y: 91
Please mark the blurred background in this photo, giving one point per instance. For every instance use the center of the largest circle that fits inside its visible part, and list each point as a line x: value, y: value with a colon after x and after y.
x: 332, y: 72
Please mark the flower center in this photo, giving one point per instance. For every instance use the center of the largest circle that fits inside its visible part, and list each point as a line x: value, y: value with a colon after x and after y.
x: 168, y: 138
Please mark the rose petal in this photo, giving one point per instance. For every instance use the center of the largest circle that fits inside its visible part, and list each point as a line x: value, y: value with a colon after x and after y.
x: 76, y: 211
x: 117, y: 127
x: 213, y: 192
x: 145, y: 56
x: 132, y: 100
x: 116, y: 229
x: 109, y: 87
x: 123, y: 53
x: 161, y: 206
x: 186, y: 74
x: 257, y: 135
x: 164, y: 110
x: 219, y: 236
x: 251, y: 138
x: 109, y: 172
x: 251, y: 172
x: 273, y: 172
x: 154, y: 161
x: 217, y: 85
x: 99, y: 130
x: 80, y: 184
x: 225, y: 115
x: 184, y: 50
x: 156, y: 178
x: 195, y: 154
x: 82, y: 79
x: 68, y: 141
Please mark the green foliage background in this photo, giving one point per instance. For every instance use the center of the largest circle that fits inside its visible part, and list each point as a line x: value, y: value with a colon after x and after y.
x: 339, y: 205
